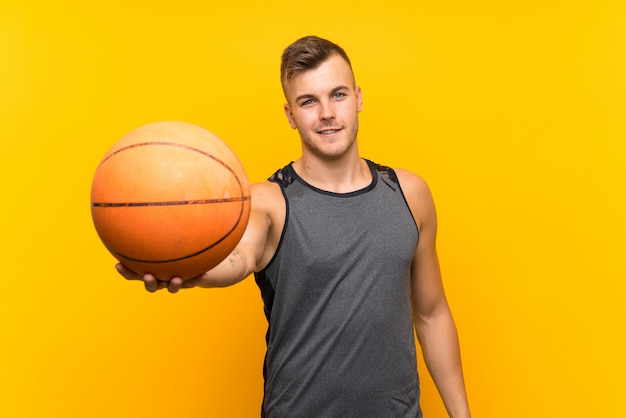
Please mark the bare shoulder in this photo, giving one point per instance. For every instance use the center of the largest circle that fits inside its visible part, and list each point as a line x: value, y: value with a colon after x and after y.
x: 411, y: 182
x: 266, y: 196
x: 418, y: 196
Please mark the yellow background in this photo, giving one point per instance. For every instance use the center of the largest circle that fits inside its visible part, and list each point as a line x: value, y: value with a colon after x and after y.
x: 514, y: 112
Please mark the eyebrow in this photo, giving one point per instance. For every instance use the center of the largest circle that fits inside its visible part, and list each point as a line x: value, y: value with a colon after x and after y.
x: 310, y: 96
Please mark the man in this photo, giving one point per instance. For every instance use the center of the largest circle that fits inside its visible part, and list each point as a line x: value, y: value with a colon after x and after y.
x: 343, y: 251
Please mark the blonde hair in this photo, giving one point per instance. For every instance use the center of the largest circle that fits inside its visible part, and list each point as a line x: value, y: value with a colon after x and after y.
x: 306, y: 54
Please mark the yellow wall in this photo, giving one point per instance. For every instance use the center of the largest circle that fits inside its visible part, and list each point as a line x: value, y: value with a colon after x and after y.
x: 513, y: 111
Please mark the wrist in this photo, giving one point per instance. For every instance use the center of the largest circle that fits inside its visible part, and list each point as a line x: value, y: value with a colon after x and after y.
x: 462, y: 414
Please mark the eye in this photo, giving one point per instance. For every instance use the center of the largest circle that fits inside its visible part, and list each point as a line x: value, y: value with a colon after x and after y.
x: 339, y: 95
x: 307, y: 102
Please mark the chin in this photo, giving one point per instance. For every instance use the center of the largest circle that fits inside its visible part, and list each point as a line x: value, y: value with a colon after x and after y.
x: 330, y: 155
x: 325, y: 151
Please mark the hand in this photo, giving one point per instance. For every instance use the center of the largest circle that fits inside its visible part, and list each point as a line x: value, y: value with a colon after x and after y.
x: 152, y: 284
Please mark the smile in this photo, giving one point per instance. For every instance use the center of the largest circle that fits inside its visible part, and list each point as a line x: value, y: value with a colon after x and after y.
x: 328, y: 131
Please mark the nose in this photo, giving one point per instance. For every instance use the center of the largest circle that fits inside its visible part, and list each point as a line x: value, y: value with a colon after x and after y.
x: 327, y: 110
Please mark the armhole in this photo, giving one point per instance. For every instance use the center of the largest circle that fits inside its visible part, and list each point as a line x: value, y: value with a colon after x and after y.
x: 282, y: 233
x: 391, y: 173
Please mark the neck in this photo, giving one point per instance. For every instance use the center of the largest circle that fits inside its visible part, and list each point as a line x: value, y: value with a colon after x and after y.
x: 344, y: 175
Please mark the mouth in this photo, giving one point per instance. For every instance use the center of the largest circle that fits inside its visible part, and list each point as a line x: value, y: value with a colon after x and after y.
x: 328, y: 131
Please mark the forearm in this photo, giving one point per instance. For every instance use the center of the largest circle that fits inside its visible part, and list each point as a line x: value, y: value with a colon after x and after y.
x: 439, y: 341
x: 230, y: 271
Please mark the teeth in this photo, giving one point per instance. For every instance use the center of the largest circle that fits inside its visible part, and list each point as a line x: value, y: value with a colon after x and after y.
x: 329, y: 131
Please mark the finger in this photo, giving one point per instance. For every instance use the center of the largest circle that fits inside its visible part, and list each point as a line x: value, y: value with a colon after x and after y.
x: 151, y: 283
x: 189, y: 283
x: 175, y: 284
x: 126, y: 273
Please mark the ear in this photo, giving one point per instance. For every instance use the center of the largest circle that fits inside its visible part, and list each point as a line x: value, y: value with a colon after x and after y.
x: 289, y: 115
x: 359, y: 98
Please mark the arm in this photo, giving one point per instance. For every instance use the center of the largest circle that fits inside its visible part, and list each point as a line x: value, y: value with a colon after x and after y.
x: 433, y: 320
x: 252, y: 252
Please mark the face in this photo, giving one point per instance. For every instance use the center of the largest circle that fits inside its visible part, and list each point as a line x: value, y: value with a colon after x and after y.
x: 323, y: 105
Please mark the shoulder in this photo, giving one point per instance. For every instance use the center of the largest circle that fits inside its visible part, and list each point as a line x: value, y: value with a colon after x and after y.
x: 283, y: 176
x: 265, y: 188
x: 412, y: 183
x: 418, y: 196
x: 268, y: 216
x: 269, y: 202
x: 266, y: 195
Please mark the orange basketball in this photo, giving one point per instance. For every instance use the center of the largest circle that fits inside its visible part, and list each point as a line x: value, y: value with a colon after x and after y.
x: 170, y: 199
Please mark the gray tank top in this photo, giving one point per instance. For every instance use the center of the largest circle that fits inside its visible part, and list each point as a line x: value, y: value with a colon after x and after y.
x: 337, y: 297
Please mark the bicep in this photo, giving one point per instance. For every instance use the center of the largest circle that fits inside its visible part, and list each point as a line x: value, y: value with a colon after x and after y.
x: 427, y: 293
x: 253, y: 240
x: 258, y: 243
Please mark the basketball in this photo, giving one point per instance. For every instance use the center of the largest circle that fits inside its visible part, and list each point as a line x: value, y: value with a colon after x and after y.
x: 170, y: 199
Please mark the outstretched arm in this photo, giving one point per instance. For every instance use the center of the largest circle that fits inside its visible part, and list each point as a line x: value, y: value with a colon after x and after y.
x: 251, y: 253
x: 433, y: 320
